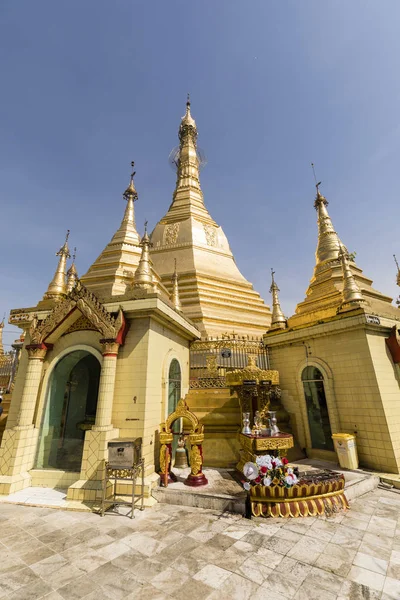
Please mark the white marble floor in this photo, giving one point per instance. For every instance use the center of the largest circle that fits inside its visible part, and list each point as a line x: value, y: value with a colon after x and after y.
x: 175, y: 552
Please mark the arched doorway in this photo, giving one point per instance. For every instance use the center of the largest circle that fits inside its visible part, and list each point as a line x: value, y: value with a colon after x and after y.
x: 174, y: 395
x: 70, y: 410
x: 317, y: 409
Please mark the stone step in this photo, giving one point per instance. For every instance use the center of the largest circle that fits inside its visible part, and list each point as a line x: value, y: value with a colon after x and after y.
x: 212, y: 496
x: 219, y: 502
x: 223, y: 492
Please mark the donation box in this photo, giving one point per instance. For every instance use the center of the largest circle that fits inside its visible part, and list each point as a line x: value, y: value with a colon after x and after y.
x: 124, y: 452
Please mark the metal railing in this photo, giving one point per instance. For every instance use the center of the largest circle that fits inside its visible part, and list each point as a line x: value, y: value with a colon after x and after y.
x: 8, y: 368
x: 212, y: 358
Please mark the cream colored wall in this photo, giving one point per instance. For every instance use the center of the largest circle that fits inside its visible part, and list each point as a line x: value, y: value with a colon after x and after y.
x: 389, y: 385
x: 351, y: 386
x: 142, y: 372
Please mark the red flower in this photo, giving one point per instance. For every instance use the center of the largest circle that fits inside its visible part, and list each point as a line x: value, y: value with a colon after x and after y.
x: 284, y: 461
x: 257, y: 479
x: 263, y: 469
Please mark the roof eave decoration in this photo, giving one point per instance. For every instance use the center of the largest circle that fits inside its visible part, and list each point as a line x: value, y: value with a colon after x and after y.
x: 87, y: 303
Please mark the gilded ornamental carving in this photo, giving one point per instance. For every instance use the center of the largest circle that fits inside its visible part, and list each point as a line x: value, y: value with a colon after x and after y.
x: 90, y: 307
x: 171, y: 233
x: 211, y: 234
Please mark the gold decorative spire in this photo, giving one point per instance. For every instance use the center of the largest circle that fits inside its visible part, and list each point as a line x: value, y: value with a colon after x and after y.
x: 72, y: 274
x: 278, y: 320
x: 130, y: 195
x: 57, y: 287
x: 328, y: 240
x: 143, y: 276
x: 112, y: 272
x: 175, y: 290
x: 1, y: 338
x: 188, y: 198
x: 398, y: 270
x: 351, y: 293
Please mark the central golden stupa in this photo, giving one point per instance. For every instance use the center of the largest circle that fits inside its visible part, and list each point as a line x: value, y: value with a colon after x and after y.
x: 213, y: 292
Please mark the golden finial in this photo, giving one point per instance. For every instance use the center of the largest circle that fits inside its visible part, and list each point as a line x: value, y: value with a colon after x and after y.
x: 278, y: 320
x: 72, y: 274
x: 130, y: 191
x: 317, y: 184
x: 397, y: 264
x: 64, y: 249
x: 398, y: 270
x: 351, y: 293
x: 143, y: 277
x: 188, y: 119
x: 57, y: 286
x: 272, y: 276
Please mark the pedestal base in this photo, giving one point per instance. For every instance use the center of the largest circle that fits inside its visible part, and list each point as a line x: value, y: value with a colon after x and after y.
x: 196, y: 480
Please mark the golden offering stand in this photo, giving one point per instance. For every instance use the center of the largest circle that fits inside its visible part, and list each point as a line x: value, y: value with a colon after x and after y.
x: 256, y: 388
x: 253, y: 446
x: 195, y: 437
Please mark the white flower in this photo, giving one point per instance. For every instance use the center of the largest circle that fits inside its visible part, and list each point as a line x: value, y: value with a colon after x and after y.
x: 246, y: 485
x: 267, y: 481
x: 291, y: 480
x: 290, y: 471
x: 277, y: 461
x: 264, y: 461
x: 250, y: 470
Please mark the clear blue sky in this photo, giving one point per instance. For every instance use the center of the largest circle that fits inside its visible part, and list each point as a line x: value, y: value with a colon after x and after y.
x: 87, y: 86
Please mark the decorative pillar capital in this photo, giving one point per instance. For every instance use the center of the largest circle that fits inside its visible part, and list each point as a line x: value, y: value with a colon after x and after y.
x: 109, y: 347
x: 38, y: 351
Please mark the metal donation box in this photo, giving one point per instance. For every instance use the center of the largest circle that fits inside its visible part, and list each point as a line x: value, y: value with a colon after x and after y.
x: 124, y: 453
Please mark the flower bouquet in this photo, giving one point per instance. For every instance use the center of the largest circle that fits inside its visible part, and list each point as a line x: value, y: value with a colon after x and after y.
x: 269, y: 470
x: 276, y: 491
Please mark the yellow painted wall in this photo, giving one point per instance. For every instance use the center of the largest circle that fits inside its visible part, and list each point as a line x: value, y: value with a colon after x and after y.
x: 361, y: 387
x: 142, y: 372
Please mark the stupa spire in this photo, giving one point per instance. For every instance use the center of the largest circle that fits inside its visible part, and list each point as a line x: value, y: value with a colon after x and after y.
x: 143, y: 276
x: 112, y: 272
x: 175, y: 290
x: 351, y: 292
x: 188, y: 162
x: 278, y: 320
x: 72, y: 274
x: 328, y: 240
x: 57, y: 287
x: 187, y: 200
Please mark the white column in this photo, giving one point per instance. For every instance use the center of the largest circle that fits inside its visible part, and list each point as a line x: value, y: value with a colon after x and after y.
x: 106, y: 387
x: 31, y: 385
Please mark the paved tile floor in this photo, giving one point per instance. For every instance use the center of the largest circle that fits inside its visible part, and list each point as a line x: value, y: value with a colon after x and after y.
x: 188, y: 553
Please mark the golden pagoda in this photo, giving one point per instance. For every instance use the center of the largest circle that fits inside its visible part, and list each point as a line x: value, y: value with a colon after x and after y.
x: 213, y: 292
